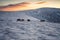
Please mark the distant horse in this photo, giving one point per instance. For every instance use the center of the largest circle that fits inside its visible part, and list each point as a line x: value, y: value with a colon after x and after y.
x: 42, y: 20
x: 2, y: 20
x: 28, y: 19
x: 20, y: 19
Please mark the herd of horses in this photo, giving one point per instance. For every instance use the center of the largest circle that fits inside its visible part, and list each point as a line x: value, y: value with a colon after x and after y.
x: 26, y: 20
x: 22, y: 19
x: 29, y: 20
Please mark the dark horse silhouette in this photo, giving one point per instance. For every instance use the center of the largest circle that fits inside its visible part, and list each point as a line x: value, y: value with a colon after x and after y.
x: 20, y: 19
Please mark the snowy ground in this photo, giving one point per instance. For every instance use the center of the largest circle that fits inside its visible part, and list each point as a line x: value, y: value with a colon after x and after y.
x: 33, y: 30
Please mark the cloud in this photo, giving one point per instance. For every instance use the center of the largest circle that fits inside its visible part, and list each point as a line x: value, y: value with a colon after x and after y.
x: 29, y: 6
x: 14, y: 7
x: 40, y: 2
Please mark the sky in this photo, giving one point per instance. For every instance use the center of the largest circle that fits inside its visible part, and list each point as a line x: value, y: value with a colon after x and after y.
x: 31, y: 4
x: 7, y: 2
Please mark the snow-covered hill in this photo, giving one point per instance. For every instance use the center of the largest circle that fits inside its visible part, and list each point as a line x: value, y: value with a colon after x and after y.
x: 10, y: 29
x: 14, y: 16
x: 33, y: 30
x: 48, y: 14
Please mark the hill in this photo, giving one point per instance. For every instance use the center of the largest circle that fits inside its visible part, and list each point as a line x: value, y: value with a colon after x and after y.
x: 11, y: 29
x: 47, y: 14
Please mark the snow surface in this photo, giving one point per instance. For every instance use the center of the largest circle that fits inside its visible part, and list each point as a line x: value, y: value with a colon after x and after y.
x: 33, y: 30
x: 11, y: 29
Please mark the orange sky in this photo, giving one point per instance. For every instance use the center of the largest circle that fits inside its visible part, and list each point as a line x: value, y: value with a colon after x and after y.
x: 30, y: 5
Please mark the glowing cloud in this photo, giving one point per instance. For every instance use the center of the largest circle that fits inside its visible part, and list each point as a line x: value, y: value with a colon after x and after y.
x: 30, y: 5
x: 21, y: 6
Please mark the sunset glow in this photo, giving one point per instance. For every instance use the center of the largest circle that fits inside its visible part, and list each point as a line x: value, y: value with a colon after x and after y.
x: 30, y: 5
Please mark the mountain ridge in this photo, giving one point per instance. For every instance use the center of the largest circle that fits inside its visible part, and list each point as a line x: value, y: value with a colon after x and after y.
x: 47, y: 14
x: 34, y: 9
